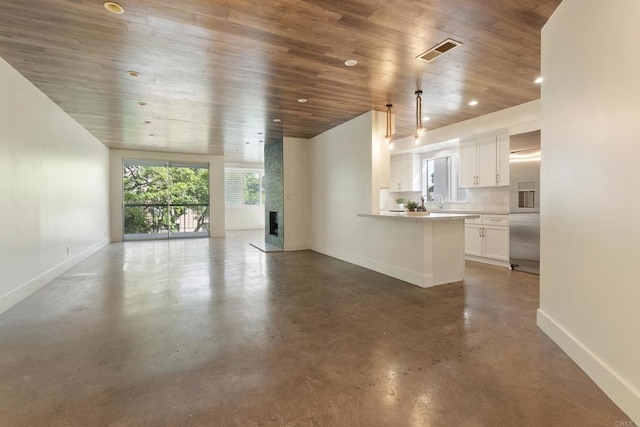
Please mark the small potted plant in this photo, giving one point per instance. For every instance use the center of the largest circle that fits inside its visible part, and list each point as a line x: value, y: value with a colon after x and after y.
x: 400, y: 201
x: 411, y: 206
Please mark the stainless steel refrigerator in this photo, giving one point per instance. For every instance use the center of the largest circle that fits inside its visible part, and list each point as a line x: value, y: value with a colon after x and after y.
x: 524, y: 201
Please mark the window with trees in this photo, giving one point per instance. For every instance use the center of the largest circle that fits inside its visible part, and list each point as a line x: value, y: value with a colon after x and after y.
x: 165, y: 199
x: 243, y: 187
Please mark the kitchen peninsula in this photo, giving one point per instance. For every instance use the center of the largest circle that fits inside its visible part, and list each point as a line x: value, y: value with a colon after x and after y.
x: 430, y: 247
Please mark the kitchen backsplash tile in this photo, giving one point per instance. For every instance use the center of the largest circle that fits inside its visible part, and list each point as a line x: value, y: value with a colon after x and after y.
x: 481, y: 199
x: 490, y: 198
x: 388, y: 199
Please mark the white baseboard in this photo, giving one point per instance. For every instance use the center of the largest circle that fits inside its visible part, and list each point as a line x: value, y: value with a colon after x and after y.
x: 491, y: 261
x: 245, y: 227
x: 21, y: 292
x: 620, y: 391
x: 414, y: 278
x: 296, y: 246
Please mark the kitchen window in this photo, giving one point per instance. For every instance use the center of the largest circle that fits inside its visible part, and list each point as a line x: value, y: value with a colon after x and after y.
x: 441, y: 176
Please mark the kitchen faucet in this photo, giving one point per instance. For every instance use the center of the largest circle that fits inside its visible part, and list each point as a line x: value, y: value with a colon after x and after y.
x: 440, y: 198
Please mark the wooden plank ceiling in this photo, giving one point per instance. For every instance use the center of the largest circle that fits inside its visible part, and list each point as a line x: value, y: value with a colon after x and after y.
x: 214, y: 74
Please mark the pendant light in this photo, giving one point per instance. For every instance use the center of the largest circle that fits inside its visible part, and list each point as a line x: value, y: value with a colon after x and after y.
x: 387, y: 136
x: 419, y: 128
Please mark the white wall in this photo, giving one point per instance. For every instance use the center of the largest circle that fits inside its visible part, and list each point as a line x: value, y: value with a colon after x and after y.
x: 53, y: 187
x: 244, y: 217
x: 340, y: 169
x: 344, y: 169
x: 589, y: 283
x: 297, y: 197
x: 340, y: 183
x: 216, y: 186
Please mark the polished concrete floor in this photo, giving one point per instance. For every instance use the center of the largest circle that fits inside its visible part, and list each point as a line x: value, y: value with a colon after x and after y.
x: 215, y: 332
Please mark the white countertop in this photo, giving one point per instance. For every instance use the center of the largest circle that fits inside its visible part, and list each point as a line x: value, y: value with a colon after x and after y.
x: 421, y: 216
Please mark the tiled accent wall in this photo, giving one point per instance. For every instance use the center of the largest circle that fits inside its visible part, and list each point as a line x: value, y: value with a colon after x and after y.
x: 274, y: 191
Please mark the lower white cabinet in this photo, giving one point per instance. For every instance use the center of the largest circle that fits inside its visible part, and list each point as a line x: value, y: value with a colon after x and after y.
x: 473, y: 240
x: 487, y: 239
x: 495, y: 242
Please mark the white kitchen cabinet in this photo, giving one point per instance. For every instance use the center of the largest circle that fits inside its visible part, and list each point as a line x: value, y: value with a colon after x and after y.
x: 503, y: 151
x: 468, y: 164
x: 484, y: 161
x: 487, y: 239
x: 487, y: 161
x: 473, y: 240
x: 495, y: 242
x: 404, y: 173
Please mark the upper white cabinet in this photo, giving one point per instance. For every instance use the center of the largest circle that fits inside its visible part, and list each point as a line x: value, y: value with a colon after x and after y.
x: 468, y: 163
x: 404, y: 173
x: 484, y: 161
x: 503, y: 151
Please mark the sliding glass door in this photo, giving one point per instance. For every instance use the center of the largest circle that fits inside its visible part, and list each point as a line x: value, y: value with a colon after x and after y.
x: 165, y: 200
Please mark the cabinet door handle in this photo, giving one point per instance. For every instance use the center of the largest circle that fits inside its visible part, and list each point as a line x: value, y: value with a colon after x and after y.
x: 479, y: 232
x: 497, y: 178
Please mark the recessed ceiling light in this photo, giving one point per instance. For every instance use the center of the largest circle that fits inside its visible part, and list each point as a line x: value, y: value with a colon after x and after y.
x: 425, y: 118
x: 147, y: 122
x: 247, y: 142
x: 538, y: 80
x: 261, y: 141
x: 473, y: 103
x: 302, y: 100
x: 133, y: 74
x: 259, y: 133
x: 276, y: 120
x: 350, y: 62
x: 142, y: 103
x: 114, y: 7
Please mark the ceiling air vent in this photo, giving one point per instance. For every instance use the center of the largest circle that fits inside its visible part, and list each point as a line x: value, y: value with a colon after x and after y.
x: 438, y: 50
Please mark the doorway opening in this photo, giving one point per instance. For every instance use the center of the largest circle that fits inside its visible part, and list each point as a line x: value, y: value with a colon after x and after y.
x: 164, y: 200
